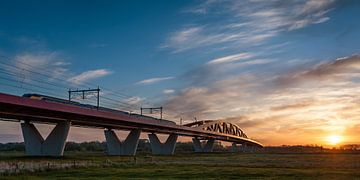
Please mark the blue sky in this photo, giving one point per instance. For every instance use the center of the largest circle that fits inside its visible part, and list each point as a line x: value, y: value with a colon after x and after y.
x: 240, y: 60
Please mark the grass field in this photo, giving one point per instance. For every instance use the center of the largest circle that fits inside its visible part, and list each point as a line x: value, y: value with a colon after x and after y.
x: 185, y: 166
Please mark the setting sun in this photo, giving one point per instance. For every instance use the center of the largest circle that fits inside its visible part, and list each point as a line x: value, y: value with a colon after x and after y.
x: 334, y: 139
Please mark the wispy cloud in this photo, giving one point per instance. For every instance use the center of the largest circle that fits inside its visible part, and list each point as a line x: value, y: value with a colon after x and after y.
x: 89, y: 75
x: 251, y: 22
x: 51, y: 64
x: 153, y: 80
x: 33, y: 62
x: 168, y: 91
x: 135, y: 100
x: 231, y: 58
x: 61, y: 63
x: 324, y: 71
x: 295, y: 106
x: 231, y: 88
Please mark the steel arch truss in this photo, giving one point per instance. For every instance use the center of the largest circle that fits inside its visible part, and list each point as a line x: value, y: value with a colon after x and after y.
x: 221, y: 127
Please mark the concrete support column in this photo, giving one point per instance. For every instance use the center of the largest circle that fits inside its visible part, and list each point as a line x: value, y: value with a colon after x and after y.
x: 244, y: 148
x: 234, y: 147
x: 208, y: 147
x: 32, y: 140
x: 249, y: 149
x: 166, y: 148
x: 117, y: 148
x: 53, y: 145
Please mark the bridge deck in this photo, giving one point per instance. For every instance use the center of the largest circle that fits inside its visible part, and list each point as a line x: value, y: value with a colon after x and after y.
x: 20, y: 108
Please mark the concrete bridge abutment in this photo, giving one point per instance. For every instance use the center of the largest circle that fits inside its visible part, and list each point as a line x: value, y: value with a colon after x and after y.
x: 166, y: 148
x: 53, y: 145
x: 208, y: 147
x: 126, y: 148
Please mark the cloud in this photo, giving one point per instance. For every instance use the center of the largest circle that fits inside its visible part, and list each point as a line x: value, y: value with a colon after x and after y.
x: 254, y: 62
x: 243, y: 121
x: 325, y: 71
x: 190, y: 101
x: 231, y: 58
x: 51, y: 67
x: 244, y: 23
x: 215, y: 99
x: 218, y: 70
x: 258, y: 103
x: 30, y: 63
x: 185, y: 35
x: 354, y: 129
x: 61, y: 63
x: 89, y: 75
x: 210, y: 89
x: 190, y: 38
x: 168, y: 91
x: 295, y: 106
x: 153, y: 80
x: 134, y: 100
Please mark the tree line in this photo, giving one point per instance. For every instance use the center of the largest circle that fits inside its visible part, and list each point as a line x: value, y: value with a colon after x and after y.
x: 97, y: 146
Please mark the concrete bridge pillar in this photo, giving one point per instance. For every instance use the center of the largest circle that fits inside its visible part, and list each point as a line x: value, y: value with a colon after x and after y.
x: 166, y: 148
x: 208, y: 147
x: 53, y: 145
x: 251, y: 149
x: 117, y: 148
x: 235, y: 147
x: 243, y: 148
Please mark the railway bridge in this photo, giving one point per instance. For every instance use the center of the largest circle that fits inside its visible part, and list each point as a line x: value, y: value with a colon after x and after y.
x: 28, y: 111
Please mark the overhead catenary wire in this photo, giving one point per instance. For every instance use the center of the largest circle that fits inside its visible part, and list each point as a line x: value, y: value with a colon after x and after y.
x: 89, y: 85
x: 61, y: 80
x: 112, y: 93
x: 45, y: 75
x: 43, y: 92
x: 113, y: 105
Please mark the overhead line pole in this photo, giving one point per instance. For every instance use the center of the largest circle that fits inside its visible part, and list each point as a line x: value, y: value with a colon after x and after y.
x: 83, y: 91
x: 151, y: 110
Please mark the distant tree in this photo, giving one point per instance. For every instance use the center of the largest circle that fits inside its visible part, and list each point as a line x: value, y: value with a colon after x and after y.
x: 85, y: 146
x: 144, y: 146
x: 96, y: 146
x: 184, y: 147
x: 12, y: 146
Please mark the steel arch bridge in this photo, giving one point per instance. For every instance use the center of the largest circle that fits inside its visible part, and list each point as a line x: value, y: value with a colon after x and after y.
x: 219, y: 126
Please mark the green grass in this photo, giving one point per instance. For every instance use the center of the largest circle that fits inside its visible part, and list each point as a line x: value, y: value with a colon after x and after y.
x: 196, y: 166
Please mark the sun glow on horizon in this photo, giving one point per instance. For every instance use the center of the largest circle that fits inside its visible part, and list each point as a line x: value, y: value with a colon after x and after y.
x: 334, y: 139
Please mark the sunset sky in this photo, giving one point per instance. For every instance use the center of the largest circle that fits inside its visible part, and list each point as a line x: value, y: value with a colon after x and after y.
x: 287, y: 72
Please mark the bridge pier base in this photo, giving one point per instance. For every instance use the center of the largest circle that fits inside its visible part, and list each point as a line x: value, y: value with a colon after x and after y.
x: 166, y: 148
x: 242, y: 148
x: 235, y: 147
x: 126, y: 148
x: 53, y: 145
x: 249, y: 149
x: 208, y: 147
